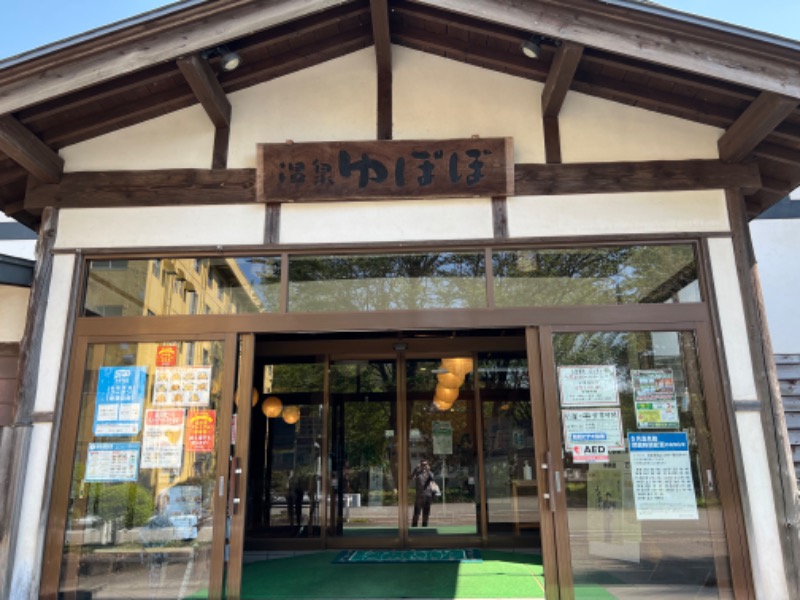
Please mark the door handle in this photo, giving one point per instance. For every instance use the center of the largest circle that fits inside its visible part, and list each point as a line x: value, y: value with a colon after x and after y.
x: 548, y: 495
x: 233, y: 486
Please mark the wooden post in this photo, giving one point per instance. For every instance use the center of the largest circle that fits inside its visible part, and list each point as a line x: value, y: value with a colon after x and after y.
x: 779, y: 454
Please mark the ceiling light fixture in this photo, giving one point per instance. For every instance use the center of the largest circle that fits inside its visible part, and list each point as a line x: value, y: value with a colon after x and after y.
x: 532, y: 47
x: 228, y: 59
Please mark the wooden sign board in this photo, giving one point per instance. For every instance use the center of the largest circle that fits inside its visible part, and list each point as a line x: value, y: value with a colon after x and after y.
x: 310, y: 172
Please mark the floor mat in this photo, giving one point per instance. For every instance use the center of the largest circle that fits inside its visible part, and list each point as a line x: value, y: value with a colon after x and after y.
x: 409, y: 556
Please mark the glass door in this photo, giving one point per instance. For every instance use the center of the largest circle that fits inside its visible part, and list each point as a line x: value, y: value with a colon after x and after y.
x: 145, y: 447
x: 633, y: 473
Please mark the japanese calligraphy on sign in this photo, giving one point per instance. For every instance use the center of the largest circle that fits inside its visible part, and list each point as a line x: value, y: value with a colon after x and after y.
x: 591, y: 425
x: 591, y: 385
x: 385, y: 169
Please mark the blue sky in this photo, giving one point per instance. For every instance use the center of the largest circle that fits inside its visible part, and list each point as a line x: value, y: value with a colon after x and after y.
x: 29, y: 24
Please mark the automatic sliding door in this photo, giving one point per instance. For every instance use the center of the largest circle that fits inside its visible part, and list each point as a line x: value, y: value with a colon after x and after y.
x: 363, y: 446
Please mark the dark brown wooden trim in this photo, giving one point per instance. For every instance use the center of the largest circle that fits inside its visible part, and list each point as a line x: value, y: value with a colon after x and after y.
x: 779, y: 452
x: 639, y: 34
x: 219, y: 158
x: 28, y: 151
x: 552, y: 140
x: 206, y: 88
x: 759, y: 120
x: 272, y: 235
x: 379, y: 10
x: 145, y: 188
x: 651, y: 176
x: 237, y: 186
x: 565, y: 63
x: 500, y: 217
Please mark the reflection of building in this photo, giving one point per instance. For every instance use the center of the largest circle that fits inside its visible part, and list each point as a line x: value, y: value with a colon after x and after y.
x: 179, y: 286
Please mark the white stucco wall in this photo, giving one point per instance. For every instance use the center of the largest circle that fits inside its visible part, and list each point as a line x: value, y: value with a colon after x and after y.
x: 777, y: 246
x: 13, y: 310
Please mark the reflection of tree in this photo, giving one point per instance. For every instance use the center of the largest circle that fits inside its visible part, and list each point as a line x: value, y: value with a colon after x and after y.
x: 613, y: 275
x: 382, y: 282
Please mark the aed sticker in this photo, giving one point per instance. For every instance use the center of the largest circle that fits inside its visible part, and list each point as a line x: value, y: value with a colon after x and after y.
x: 589, y: 453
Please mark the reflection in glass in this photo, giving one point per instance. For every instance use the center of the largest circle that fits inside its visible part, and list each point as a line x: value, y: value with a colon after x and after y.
x: 579, y: 276
x: 182, y: 286
x: 363, y: 447
x: 140, y: 513
x: 386, y: 282
x: 443, y: 436
x: 285, y: 468
x: 616, y: 540
x: 512, y: 493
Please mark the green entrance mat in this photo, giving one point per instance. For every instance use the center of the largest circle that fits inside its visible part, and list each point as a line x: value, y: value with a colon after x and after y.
x: 319, y: 577
x: 409, y: 556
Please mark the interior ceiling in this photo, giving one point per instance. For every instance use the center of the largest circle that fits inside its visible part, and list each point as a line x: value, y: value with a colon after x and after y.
x: 161, y: 88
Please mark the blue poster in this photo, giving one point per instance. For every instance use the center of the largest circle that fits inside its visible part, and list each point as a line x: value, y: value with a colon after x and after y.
x: 120, y: 401
x: 111, y: 462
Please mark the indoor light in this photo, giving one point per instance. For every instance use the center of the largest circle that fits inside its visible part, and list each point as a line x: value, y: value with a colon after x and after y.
x: 458, y: 366
x: 291, y: 414
x: 445, y: 394
x: 450, y: 380
x: 441, y: 405
x: 272, y: 407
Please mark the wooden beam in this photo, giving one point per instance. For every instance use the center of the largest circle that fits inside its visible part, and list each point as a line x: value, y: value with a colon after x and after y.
x: 207, y: 89
x: 145, y: 188
x: 754, y: 125
x: 777, y: 153
x: 651, y: 176
x: 383, y: 57
x: 235, y: 186
x: 647, y: 35
x: 562, y: 71
x: 28, y: 151
x: 194, y: 29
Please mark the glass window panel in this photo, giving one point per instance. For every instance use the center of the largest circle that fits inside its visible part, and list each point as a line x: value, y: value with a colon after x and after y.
x: 512, y: 493
x: 580, y: 276
x: 363, y: 448
x: 386, y: 282
x: 285, y: 468
x: 643, y: 523
x: 139, y: 522
x: 178, y: 286
x: 443, y: 436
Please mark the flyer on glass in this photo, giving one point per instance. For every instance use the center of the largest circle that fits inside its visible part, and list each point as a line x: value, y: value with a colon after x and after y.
x: 661, y: 469
x: 200, y: 430
x: 162, y: 441
x: 182, y: 386
x: 442, y: 432
x: 120, y: 401
x: 654, y: 399
x: 112, y: 462
x: 593, y: 425
x: 591, y: 385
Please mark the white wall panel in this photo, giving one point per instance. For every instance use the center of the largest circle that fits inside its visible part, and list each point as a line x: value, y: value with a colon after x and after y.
x: 439, y: 98
x: 336, y: 100
x: 598, y: 130
x: 732, y: 319
x: 181, y: 139
x: 410, y: 220
x: 13, y: 312
x: 611, y: 214
x: 765, y: 544
x: 172, y: 226
x: 55, y: 326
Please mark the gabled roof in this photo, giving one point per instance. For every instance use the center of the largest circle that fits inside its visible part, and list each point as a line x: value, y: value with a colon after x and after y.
x: 637, y: 53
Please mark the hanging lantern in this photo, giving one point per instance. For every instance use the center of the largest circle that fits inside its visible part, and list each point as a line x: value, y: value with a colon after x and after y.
x: 272, y: 407
x: 458, y: 366
x: 291, y: 414
x: 441, y: 405
x: 444, y: 394
x: 254, y: 397
x: 450, y: 380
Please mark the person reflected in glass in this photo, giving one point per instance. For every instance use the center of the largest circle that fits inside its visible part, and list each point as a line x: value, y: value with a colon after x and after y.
x: 422, y: 476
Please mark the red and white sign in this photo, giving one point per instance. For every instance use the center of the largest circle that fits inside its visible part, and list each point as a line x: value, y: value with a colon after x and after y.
x: 166, y: 356
x: 589, y: 453
x: 201, y: 426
